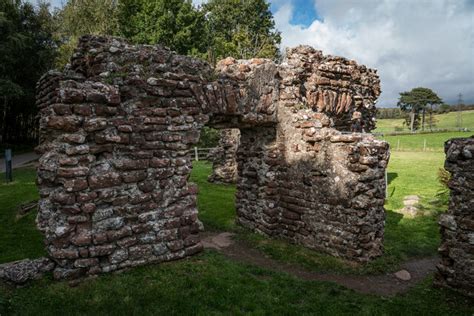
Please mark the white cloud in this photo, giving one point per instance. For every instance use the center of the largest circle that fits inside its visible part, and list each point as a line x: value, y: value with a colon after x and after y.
x: 411, y: 43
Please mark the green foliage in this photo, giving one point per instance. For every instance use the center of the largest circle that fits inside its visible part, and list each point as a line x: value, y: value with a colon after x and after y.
x: 415, y: 101
x: 443, y: 178
x: 79, y: 17
x: 27, y: 50
x: 209, y: 137
x: 241, y: 29
x: 173, y: 23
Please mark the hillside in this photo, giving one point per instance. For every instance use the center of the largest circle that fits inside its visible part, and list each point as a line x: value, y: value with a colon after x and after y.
x: 443, y: 121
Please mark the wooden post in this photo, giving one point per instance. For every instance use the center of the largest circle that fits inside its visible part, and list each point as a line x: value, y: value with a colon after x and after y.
x: 398, y: 144
x: 8, y: 165
x: 424, y: 144
x: 196, y: 155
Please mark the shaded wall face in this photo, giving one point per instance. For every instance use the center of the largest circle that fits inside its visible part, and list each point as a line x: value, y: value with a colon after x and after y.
x: 456, y: 269
x: 116, y: 131
x: 224, y: 157
x: 258, y: 159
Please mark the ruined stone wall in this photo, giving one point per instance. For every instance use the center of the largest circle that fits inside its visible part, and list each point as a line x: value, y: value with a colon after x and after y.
x: 113, y: 176
x: 456, y: 269
x: 117, y: 126
x: 223, y: 157
x: 309, y: 181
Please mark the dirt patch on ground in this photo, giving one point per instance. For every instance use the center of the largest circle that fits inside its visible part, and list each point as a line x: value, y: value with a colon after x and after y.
x: 384, y: 285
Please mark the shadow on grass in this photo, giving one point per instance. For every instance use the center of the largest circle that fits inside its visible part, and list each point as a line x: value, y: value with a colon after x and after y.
x: 391, y: 176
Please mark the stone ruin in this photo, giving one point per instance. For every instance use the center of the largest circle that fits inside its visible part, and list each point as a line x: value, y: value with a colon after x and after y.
x: 117, y: 125
x: 456, y: 269
x: 223, y: 157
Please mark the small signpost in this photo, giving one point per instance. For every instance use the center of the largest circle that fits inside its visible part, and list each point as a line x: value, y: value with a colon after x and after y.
x: 8, y: 165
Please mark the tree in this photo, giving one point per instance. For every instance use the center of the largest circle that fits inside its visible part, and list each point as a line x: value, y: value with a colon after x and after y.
x: 241, y: 29
x: 79, y: 17
x: 27, y: 50
x: 173, y: 23
x: 415, y: 101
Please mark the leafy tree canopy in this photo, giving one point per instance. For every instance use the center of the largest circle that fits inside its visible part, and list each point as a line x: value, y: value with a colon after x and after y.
x: 27, y: 50
x: 415, y: 101
x: 241, y: 29
x: 173, y: 23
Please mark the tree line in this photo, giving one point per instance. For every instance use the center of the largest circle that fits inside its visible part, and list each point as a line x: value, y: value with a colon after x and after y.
x: 35, y: 38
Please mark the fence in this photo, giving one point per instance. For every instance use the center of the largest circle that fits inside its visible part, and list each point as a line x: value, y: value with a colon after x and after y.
x: 200, y: 153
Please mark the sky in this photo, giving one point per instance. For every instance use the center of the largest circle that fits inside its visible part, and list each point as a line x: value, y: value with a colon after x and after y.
x: 412, y: 43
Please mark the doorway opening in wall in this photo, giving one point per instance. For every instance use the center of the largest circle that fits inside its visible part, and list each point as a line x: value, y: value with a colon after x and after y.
x: 213, y: 160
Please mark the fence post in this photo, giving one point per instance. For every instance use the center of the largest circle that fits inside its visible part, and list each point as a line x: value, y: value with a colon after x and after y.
x: 398, y: 144
x: 424, y: 144
x: 196, y: 155
x: 8, y: 165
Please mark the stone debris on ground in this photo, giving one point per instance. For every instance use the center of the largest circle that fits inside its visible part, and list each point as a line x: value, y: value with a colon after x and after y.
x: 410, y: 206
x: 19, y: 272
x: 403, y: 275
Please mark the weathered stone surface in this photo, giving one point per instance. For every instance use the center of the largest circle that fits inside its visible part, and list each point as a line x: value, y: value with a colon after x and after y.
x: 456, y: 269
x: 403, y: 275
x: 19, y: 272
x: 116, y: 163
x: 223, y: 157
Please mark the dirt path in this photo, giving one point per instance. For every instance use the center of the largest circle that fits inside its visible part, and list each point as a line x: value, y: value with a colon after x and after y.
x: 384, y: 285
x: 19, y: 160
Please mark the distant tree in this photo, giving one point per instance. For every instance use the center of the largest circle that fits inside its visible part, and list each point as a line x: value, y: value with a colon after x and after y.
x: 79, y: 17
x: 27, y: 50
x: 415, y: 101
x: 173, y: 23
x: 241, y: 29
x: 444, y: 108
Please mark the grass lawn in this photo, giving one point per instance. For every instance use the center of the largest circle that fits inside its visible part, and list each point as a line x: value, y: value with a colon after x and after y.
x: 443, y: 121
x: 19, y: 238
x: 210, y: 283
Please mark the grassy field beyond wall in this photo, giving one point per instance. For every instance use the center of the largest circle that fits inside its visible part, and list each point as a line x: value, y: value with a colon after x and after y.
x: 441, y: 121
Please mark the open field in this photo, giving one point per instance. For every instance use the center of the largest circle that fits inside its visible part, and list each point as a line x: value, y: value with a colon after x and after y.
x: 432, y: 142
x: 211, y: 283
x: 443, y: 121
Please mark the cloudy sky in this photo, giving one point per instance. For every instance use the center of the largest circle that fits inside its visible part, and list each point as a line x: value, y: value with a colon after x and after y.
x: 412, y: 43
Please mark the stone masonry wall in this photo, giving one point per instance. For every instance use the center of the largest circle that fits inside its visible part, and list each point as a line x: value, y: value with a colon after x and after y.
x: 223, y: 157
x: 118, y: 123
x: 456, y: 269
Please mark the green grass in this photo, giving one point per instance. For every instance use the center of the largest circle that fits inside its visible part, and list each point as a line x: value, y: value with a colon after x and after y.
x: 415, y: 142
x: 19, y: 238
x: 409, y: 173
x: 210, y: 284
x: 443, y: 121
x: 216, y: 202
